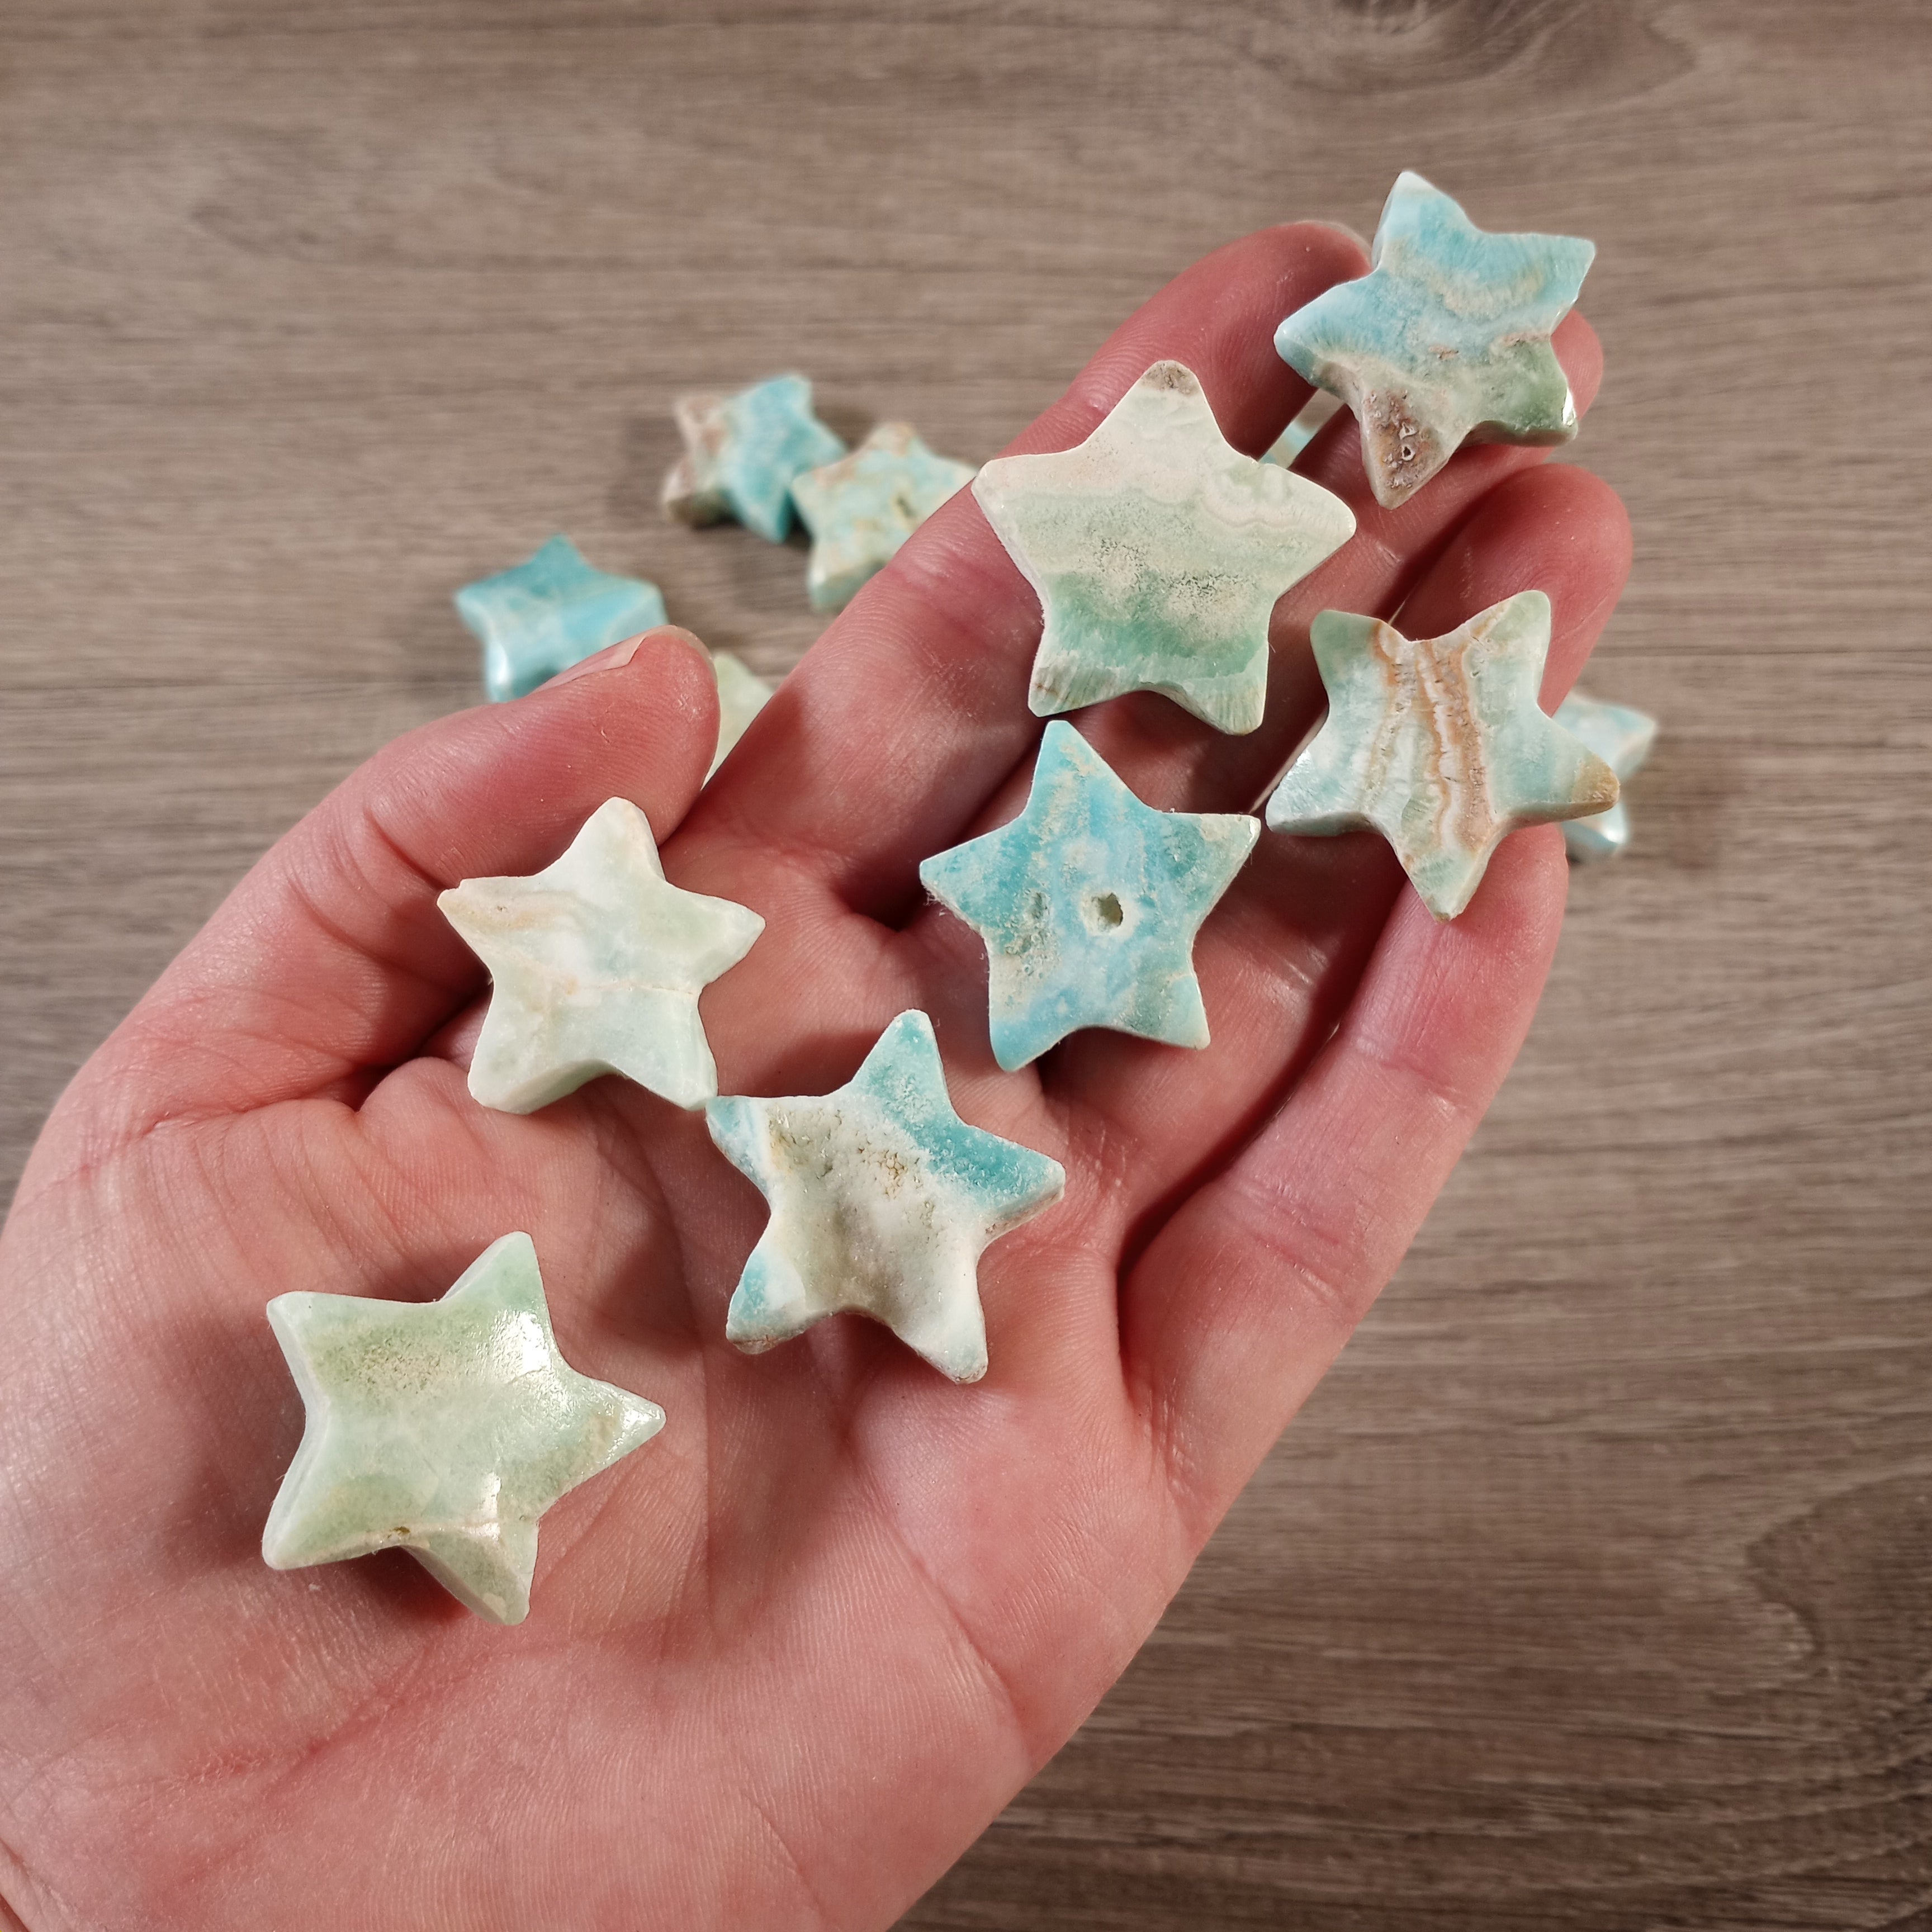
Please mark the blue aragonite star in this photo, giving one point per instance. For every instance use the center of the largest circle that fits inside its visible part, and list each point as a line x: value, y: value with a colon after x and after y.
x: 1621, y: 736
x: 1437, y: 743
x: 446, y: 1428
x: 882, y: 1200
x: 741, y: 452
x: 1089, y: 902
x: 1158, y: 551
x: 1446, y: 337
x: 549, y: 613
x: 860, y: 509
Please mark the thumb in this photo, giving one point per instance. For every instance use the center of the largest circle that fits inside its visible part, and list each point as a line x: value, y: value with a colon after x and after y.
x: 330, y: 959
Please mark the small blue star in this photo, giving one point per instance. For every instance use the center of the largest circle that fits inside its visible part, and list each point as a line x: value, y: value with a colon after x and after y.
x: 1089, y: 902
x: 549, y: 613
x: 1622, y: 736
x: 1446, y: 336
x: 741, y: 452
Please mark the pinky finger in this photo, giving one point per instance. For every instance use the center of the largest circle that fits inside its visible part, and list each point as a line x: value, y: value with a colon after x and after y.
x: 1240, y: 1303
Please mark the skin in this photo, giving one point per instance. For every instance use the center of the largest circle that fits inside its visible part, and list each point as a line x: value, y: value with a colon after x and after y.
x: 787, y: 1661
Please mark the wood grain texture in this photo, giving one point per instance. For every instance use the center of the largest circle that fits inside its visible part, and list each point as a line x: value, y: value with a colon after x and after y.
x: 1593, y: 1590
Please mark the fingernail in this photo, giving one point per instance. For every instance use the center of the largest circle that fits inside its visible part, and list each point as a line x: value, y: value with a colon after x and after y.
x: 614, y: 657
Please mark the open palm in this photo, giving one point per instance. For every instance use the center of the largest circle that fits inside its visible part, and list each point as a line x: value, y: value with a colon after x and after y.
x: 784, y: 1663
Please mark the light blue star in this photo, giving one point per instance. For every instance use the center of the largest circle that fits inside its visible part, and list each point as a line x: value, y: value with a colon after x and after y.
x: 883, y: 1199
x: 1437, y: 743
x: 860, y: 509
x: 1621, y: 736
x: 1446, y: 336
x: 741, y: 452
x: 549, y: 613
x: 1089, y: 902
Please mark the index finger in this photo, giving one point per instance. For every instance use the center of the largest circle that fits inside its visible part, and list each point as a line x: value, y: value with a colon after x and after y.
x: 901, y: 721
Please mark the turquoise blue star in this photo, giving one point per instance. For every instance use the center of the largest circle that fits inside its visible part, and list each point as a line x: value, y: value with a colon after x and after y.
x: 551, y: 612
x: 741, y: 452
x: 1621, y: 735
x: 1446, y: 336
x: 883, y: 1199
x: 1089, y: 902
x: 860, y: 509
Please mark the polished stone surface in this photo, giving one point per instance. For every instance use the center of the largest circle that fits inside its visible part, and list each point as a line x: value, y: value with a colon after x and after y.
x: 1621, y: 736
x: 860, y: 509
x: 1312, y: 417
x: 1158, y: 551
x: 741, y: 695
x: 549, y: 612
x: 444, y: 1428
x: 882, y: 1202
x: 596, y: 964
x: 1437, y: 743
x: 1446, y: 338
x: 1088, y: 902
x: 741, y: 452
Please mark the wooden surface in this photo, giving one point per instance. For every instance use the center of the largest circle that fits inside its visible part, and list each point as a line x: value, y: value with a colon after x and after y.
x: 1593, y: 1590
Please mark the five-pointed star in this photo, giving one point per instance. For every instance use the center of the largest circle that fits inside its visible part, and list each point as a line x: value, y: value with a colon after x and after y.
x: 1446, y: 336
x: 597, y: 962
x: 1620, y: 736
x: 741, y: 452
x: 1158, y: 551
x: 549, y: 612
x: 860, y: 509
x: 882, y: 1200
x: 447, y: 1427
x: 1437, y: 743
x: 1089, y: 902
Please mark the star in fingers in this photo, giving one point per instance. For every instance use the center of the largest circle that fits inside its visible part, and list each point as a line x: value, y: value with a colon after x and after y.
x: 1446, y: 337
x: 1437, y: 743
x: 1158, y: 550
x: 1089, y: 902
x: 596, y: 964
x: 741, y: 452
x: 1621, y: 736
x: 549, y: 612
x: 446, y: 1428
x: 860, y: 509
x: 882, y: 1202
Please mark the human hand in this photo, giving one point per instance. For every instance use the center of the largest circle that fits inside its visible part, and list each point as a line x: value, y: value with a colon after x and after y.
x: 785, y: 1662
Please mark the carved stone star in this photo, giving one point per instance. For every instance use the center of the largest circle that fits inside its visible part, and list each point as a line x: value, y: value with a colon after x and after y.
x: 549, y: 612
x: 741, y: 452
x: 597, y: 962
x: 446, y: 1428
x: 1446, y: 336
x: 860, y: 509
x: 1089, y: 902
x: 1622, y: 736
x: 1437, y: 743
x: 1158, y: 550
x: 882, y: 1200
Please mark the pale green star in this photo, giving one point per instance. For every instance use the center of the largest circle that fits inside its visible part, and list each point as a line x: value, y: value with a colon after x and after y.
x: 1159, y: 550
x: 444, y: 1428
x: 1446, y: 337
x: 1089, y: 902
x: 1439, y: 744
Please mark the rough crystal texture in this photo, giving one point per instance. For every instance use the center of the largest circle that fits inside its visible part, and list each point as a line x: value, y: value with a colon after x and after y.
x: 860, y: 509
x: 1446, y: 338
x: 1621, y: 736
x: 549, y: 613
x: 741, y: 452
x: 1089, y: 902
x: 882, y: 1200
x: 1158, y: 551
x: 596, y: 963
x: 1437, y: 743
x: 741, y: 695
x: 446, y: 1428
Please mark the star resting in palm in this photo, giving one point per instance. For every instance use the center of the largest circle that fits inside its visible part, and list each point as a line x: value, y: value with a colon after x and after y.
x: 781, y: 1666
